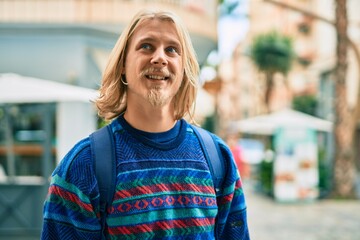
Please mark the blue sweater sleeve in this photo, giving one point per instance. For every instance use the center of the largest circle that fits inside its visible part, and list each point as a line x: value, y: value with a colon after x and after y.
x: 71, y: 208
x: 231, y: 219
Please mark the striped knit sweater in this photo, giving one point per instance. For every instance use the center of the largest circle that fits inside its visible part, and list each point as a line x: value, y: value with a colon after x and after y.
x: 164, y: 190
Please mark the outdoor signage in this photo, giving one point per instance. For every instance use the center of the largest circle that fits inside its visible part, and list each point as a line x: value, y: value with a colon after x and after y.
x: 296, y: 175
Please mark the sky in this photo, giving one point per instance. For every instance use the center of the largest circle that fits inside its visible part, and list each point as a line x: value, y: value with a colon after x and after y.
x: 232, y: 26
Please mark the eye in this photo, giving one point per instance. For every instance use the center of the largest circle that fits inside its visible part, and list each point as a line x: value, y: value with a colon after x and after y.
x: 172, y: 50
x: 145, y: 46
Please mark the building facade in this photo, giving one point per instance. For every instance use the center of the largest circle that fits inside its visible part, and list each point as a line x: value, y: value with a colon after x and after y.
x: 314, y: 43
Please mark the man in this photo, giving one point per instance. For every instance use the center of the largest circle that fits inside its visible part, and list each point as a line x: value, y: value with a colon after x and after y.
x: 164, y: 187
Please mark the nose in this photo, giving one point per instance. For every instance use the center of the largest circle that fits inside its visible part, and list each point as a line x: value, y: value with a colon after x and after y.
x: 159, y: 58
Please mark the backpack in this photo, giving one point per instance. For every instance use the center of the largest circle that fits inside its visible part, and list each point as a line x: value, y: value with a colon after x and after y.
x: 103, y: 152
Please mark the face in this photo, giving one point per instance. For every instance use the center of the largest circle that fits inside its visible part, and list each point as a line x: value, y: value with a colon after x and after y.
x: 153, y: 67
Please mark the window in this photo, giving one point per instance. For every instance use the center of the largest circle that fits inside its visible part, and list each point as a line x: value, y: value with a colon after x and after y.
x: 26, y: 139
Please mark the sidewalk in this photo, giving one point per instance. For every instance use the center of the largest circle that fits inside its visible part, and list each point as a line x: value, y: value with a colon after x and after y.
x: 319, y: 220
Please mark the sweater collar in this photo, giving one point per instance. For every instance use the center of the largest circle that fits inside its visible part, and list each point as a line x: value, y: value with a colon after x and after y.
x: 163, y: 140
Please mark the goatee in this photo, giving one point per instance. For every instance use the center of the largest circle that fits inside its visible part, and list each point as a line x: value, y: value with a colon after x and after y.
x: 156, y: 98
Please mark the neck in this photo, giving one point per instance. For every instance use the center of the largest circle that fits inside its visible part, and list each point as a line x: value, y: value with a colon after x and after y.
x: 150, y: 119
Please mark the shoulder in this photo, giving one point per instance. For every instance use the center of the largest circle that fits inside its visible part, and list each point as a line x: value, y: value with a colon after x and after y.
x: 77, y: 167
x: 220, y: 143
x: 221, y: 147
x: 75, y: 156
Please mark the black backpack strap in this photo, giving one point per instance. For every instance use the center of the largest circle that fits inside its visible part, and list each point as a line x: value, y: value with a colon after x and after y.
x: 213, y: 157
x: 103, y: 152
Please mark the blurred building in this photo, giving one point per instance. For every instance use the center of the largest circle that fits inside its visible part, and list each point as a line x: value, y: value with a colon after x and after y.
x: 69, y: 40
x: 311, y: 74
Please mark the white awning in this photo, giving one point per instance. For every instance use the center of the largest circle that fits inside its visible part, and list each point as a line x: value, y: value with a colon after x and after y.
x: 267, y: 124
x: 20, y: 89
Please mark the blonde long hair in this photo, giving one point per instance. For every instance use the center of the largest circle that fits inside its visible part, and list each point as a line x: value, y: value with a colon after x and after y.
x: 112, y: 99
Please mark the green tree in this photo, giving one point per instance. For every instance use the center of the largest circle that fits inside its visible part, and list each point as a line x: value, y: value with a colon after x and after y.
x: 272, y: 53
x: 305, y: 103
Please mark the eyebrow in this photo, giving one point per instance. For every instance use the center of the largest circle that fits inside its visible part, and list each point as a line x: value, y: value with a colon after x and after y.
x: 152, y: 39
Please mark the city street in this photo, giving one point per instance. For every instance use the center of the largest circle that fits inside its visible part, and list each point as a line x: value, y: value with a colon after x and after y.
x: 319, y: 220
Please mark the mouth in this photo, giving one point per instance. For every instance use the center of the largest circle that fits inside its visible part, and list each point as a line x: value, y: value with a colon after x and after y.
x: 157, y: 77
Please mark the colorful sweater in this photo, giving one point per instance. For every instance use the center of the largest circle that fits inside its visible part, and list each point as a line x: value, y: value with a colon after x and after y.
x: 164, y: 190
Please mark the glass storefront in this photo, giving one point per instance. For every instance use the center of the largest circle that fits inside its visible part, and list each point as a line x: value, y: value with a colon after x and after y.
x: 27, y: 139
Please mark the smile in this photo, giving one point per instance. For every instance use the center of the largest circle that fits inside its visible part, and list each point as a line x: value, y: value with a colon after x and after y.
x: 156, y: 77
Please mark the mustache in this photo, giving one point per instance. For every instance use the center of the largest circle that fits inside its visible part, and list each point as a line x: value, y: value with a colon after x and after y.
x: 161, y: 71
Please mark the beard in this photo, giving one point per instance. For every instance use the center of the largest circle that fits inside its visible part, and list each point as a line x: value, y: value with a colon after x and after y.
x: 157, y: 98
